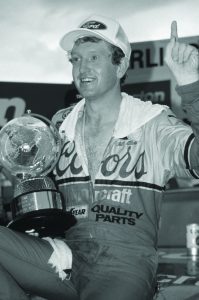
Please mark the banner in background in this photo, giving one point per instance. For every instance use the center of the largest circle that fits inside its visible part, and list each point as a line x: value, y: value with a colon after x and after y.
x: 156, y: 92
x: 16, y: 98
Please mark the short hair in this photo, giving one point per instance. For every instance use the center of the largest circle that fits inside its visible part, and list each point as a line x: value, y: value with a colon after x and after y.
x: 117, y: 53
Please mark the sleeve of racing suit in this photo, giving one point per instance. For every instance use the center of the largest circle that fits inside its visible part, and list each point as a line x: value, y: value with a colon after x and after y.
x: 190, y: 104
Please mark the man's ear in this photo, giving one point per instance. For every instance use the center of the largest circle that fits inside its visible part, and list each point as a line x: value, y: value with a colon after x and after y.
x: 122, y: 67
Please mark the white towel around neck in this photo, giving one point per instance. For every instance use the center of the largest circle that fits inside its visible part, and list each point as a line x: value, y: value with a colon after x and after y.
x: 133, y: 114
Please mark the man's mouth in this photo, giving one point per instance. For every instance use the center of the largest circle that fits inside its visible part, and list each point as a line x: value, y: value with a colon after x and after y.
x: 86, y: 80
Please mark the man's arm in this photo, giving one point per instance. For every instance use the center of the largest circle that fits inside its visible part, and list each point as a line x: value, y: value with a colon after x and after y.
x: 190, y: 103
x: 183, y: 61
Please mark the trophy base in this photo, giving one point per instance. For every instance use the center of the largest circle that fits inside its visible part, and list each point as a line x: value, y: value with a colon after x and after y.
x: 44, y: 222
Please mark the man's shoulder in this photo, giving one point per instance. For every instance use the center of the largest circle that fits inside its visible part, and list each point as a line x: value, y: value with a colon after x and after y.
x: 168, y: 118
x: 61, y: 115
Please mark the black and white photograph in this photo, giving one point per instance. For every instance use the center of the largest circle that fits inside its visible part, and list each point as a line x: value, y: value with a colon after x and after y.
x: 99, y: 150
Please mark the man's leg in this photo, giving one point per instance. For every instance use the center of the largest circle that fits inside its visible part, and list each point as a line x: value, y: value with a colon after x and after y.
x: 24, y: 266
x: 116, y: 273
x: 9, y: 288
x: 120, y: 286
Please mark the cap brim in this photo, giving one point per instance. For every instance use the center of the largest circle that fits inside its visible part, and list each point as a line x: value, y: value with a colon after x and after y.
x: 68, y: 40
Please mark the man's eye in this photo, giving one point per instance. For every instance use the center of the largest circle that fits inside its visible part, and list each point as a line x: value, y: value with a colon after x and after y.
x: 94, y: 58
x: 74, y: 60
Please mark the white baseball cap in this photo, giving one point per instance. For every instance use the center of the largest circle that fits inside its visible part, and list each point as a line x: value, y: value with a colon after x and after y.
x: 101, y: 27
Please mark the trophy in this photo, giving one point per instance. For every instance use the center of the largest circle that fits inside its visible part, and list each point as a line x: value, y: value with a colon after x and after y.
x: 30, y: 147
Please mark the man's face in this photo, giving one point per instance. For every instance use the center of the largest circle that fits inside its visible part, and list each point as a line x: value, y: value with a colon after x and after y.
x: 93, y: 72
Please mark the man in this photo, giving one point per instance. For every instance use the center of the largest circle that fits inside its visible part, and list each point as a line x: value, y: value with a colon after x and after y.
x: 118, y: 154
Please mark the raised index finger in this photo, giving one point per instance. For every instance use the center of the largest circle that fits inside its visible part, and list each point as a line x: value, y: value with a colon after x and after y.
x: 174, y: 32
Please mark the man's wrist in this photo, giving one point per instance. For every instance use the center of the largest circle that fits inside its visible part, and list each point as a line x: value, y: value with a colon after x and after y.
x: 188, y: 79
x: 188, y: 92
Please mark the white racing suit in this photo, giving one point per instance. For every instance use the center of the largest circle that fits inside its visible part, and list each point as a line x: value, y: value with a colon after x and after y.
x: 115, y: 238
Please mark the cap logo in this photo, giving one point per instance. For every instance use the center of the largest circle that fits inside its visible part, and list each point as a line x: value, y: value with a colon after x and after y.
x: 93, y: 25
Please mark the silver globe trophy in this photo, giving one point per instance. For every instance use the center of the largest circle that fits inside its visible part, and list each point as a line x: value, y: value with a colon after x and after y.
x: 30, y: 147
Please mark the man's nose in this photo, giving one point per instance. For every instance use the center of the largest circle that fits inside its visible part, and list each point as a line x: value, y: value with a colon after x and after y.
x: 84, y: 65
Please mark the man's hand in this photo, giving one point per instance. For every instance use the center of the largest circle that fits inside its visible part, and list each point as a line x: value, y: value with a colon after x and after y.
x: 182, y: 59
